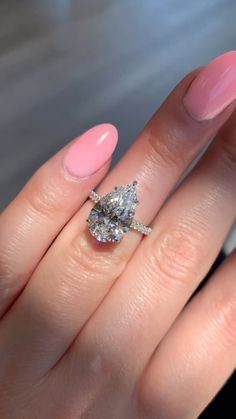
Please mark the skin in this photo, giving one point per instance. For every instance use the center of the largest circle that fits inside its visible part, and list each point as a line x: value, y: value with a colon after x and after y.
x: 106, y: 332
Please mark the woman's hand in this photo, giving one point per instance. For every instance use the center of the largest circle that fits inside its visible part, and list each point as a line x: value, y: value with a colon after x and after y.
x: 106, y: 331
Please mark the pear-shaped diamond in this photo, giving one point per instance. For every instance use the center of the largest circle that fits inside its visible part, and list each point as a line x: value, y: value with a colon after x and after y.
x: 112, y: 216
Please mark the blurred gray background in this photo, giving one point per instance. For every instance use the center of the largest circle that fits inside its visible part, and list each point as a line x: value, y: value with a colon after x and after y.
x: 66, y: 65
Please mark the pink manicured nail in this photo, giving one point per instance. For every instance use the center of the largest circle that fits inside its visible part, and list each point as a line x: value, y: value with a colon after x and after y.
x: 91, y: 150
x: 213, y: 89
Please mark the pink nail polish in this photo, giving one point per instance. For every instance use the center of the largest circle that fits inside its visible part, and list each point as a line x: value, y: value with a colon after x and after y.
x: 213, y: 89
x: 91, y: 150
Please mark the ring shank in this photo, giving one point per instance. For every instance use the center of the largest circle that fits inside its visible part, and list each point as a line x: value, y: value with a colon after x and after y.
x: 141, y: 228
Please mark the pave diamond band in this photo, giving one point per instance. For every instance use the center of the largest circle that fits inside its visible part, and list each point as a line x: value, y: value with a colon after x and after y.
x: 113, y: 214
x: 94, y: 196
x: 141, y: 228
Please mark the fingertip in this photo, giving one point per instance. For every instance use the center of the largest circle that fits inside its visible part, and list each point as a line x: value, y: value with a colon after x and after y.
x: 90, y: 151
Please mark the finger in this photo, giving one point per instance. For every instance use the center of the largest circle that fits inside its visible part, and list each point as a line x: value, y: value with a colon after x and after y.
x: 76, y: 274
x: 169, y: 264
x: 32, y: 221
x: 198, y: 354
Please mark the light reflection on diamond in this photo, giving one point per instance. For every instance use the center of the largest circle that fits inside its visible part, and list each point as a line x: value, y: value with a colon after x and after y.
x: 113, y: 214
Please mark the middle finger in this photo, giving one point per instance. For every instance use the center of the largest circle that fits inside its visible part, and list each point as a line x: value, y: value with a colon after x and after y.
x: 167, y: 267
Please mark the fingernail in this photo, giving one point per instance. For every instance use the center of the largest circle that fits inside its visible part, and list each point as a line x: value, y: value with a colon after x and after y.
x: 213, y: 89
x: 91, y: 150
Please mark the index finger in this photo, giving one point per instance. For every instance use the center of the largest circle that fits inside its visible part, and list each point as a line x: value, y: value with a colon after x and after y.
x: 54, y: 193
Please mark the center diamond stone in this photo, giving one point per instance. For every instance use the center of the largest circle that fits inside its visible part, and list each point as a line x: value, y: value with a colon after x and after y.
x: 112, y: 216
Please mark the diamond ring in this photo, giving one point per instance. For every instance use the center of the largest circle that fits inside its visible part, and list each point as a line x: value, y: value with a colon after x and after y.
x: 113, y: 214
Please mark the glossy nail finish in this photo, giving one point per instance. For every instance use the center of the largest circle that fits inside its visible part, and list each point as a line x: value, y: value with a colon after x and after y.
x: 91, y: 150
x: 213, y: 89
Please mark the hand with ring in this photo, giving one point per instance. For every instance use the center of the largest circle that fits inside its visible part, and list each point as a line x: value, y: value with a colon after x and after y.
x: 99, y: 318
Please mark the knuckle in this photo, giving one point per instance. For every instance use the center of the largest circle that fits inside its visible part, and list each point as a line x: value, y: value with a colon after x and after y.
x: 225, y: 315
x: 229, y: 149
x: 43, y: 197
x: 6, y: 271
x: 230, y: 324
x: 174, y: 255
x: 165, y: 152
x: 10, y: 278
x: 99, y: 262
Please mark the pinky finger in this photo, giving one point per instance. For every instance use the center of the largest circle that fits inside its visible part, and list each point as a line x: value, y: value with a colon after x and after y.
x: 198, y: 354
